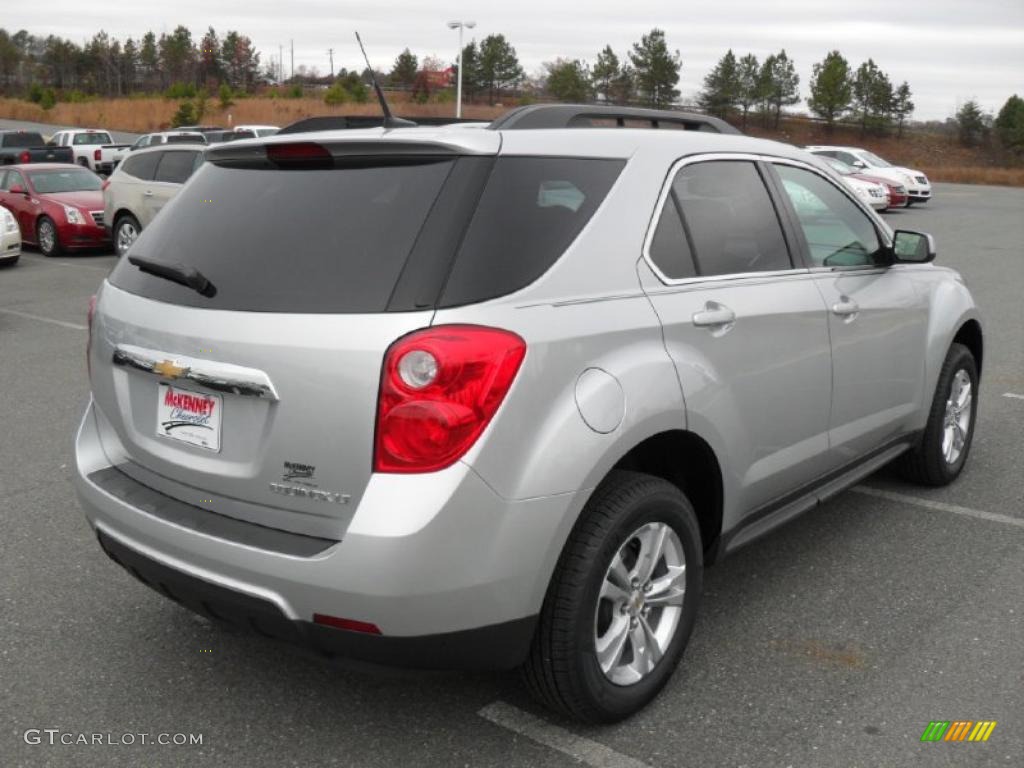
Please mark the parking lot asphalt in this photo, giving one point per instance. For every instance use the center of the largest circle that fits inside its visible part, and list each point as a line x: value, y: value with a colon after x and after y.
x: 832, y: 642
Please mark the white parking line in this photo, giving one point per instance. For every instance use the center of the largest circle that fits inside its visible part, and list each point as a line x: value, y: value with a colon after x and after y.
x: 578, y: 748
x: 1013, y: 395
x: 30, y: 316
x: 939, y: 505
x: 51, y: 263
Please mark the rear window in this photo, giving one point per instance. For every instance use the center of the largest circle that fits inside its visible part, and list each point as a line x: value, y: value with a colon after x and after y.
x: 92, y: 138
x: 529, y: 214
x: 22, y: 139
x: 405, y: 234
x: 297, y: 241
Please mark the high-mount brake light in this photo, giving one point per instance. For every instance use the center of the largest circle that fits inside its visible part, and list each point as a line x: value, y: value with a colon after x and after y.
x: 299, y: 153
x: 439, y: 389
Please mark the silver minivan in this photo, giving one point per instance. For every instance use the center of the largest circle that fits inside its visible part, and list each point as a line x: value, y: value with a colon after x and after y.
x: 494, y: 397
x: 142, y: 185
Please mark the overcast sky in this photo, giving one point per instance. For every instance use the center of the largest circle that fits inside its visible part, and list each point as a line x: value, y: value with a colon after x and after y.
x: 948, y: 50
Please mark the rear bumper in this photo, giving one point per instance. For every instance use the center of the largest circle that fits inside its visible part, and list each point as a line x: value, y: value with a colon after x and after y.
x: 452, y: 574
x: 492, y: 647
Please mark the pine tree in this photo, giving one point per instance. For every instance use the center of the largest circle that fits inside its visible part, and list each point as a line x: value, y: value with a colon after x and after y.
x: 569, y: 80
x: 902, y: 107
x: 499, y: 66
x: 721, y: 87
x: 831, y: 88
x: 656, y: 70
x: 747, y: 75
x: 605, y: 72
x: 405, y: 69
x: 1009, y: 124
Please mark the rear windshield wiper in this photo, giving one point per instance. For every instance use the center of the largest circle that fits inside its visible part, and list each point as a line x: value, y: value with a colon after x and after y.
x: 181, y: 274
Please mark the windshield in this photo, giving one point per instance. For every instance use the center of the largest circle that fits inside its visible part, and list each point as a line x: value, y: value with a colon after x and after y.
x: 74, y: 180
x: 840, y: 167
x: 92, y: 138
x: 875, y: 160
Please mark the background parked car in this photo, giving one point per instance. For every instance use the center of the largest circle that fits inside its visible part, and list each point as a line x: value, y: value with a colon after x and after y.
x: 30, y: 147
x: 895, y: 193
x: 58, y: 206
x: 92, y: 148
x: 10, y: 238
x: 219, y: 137
x: 168, y: 137
x: 142, y: 185
x: 261, y: 131
x: 919, y: 190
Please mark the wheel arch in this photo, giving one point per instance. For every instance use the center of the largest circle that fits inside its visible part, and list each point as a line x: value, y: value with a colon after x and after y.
x: 686, y: 460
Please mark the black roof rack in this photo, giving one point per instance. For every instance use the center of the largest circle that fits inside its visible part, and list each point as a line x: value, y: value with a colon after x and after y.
x: 596, y: 116
x: 343, y: 122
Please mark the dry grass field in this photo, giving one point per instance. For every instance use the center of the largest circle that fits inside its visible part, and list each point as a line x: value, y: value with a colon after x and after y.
x: 940, y: 156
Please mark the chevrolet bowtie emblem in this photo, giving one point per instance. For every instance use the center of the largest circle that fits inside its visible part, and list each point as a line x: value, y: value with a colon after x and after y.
x: 170, y: 369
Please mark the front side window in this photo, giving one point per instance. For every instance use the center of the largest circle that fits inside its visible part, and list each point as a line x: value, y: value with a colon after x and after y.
x: 838, y: 232
x: 14, y: 179
x: 729, y: 218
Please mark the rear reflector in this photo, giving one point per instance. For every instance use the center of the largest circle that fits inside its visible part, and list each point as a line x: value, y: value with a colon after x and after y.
x: 350, y: 624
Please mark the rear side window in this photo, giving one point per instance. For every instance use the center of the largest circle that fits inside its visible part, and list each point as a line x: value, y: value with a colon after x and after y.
x: 141, y: 166
x: 732, y: 224
x: 299, y: 241
x: 175, y: 167
x: 669, y: 249
x: 529, y: 213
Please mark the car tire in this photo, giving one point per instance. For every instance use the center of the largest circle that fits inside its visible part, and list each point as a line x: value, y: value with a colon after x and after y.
x: 82, y: 162
x: 126, y: 230
x: 935, y: 460
x: 623, y: 518
x: 47, y: 237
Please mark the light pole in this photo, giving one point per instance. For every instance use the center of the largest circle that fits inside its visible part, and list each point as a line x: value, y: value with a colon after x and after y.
x: 460, y: 25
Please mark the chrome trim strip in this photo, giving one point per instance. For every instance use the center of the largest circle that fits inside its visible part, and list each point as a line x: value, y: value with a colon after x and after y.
x: 752, y: 157
x: 220, y: 377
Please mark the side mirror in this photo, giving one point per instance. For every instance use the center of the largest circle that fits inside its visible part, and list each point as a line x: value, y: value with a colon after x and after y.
x: 912, y: 247
x: 17, y: 189
x: 859, y: 165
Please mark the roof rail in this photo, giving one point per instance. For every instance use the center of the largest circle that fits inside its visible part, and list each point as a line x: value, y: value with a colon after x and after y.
x: 597, y: 116
x: 341, y: 122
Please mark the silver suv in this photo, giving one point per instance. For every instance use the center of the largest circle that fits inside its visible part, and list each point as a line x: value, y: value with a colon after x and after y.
x: 495, y: 397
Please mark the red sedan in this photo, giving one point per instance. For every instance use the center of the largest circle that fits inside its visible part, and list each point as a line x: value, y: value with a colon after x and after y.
x: 58, y: 206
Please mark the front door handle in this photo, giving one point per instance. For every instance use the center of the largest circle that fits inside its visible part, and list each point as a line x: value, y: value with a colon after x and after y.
x: 845, y: 307
x: 713, y: 315
x: 148, y: 193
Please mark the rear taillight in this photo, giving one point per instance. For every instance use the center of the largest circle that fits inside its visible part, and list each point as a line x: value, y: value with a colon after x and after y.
x: 88, y: 342
x: 439, y: 389
x: 24, y: 157
x: 96, y: 155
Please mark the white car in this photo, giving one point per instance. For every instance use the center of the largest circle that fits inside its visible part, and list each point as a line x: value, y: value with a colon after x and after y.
x: 919, y: 189
x: 260, y: 130
x: 10, y: 238
x: 168, y: 137
x: 93, y: 148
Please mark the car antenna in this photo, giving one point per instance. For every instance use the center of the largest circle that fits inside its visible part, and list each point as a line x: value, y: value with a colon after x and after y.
x: 390, y: 121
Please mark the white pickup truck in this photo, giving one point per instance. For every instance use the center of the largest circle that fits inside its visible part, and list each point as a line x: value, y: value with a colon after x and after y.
x: 93, y: 148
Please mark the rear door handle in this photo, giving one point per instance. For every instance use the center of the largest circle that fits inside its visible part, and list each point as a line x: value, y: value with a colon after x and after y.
x: 713, y: 315
x: 845, y: 307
